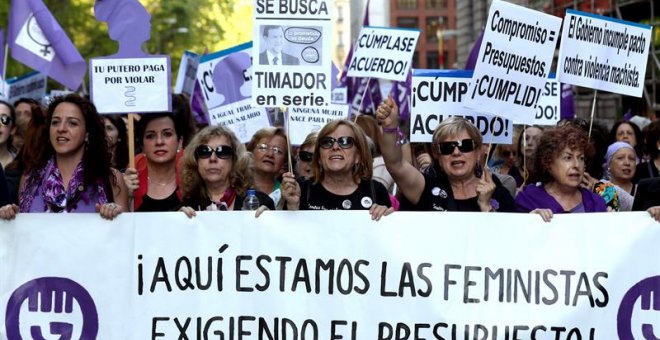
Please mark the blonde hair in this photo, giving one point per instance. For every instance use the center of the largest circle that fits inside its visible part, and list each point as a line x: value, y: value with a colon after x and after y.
x: 364, y: 168
x: 267, y: 132
x: 240, y: 176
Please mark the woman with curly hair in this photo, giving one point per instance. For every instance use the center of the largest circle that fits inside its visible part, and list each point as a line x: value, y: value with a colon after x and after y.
x: 560, y: 160
x: 72, y: 173
x: 216, y: 173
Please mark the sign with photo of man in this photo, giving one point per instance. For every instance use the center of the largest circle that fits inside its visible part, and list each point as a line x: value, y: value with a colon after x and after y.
x: 274, y: 43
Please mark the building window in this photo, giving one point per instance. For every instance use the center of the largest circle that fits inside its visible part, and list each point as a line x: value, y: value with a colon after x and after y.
x: 433, y: 24
x: 415, y: 60
x: 432, y: 61
x: 407, y: 22
x: 406, y: 4
x: 436, y: 4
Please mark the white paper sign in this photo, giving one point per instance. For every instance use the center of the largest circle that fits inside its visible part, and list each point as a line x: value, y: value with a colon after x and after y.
x: 131, y: 85
x: 603, y: 53
x: 31, y: 85
x: 438, y: 94
x: 185, y: 79
x: 549, y: 105
x: 291, y: 56
x: 330, y: 275
x: 514, y: 61
x: 382, y: 52
x: 226, y: 81
x: 3, y: 89
x: 303, y: 120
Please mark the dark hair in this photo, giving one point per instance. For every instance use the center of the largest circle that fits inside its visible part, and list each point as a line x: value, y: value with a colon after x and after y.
x: 638, y: 136
x: 96, y: 157
x: 552, y: 144
x: 141, y: 125
x: 12, y: 114
x: 267, y: 28
x: 183, y: 117
x: 121, y: 148
x: 28, y: 101
x: 652, y: 137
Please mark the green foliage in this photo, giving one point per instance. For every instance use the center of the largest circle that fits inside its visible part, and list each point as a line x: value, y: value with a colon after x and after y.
x: 176, y: 25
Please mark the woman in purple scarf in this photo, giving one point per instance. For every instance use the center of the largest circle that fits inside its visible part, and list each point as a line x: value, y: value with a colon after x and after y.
x: 72, y: 172
x: 560, y: 162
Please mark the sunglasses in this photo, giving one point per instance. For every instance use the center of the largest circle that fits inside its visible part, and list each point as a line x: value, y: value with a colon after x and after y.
x: 344, y: 142
x: 276, y: 149
x: 465, y: 145
x: 305, y: 156
x: 222, y: 151
x: 5, y: 120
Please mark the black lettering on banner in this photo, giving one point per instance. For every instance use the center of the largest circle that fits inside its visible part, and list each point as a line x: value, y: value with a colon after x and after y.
x: 377, y: 64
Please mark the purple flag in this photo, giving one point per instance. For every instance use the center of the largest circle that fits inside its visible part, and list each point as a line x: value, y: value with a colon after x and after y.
x: 567, y: 105
x: 37, y: 40
x: 2, y: 53
x: 356, y: 87
x: 474, y: 53
x: 401, y: 95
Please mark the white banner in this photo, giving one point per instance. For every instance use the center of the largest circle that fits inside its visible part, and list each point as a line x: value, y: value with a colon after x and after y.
x: 227, y: 275
x: 291, y: 56
x: 31, y: 85
x: 304, y: 120
x: 185, y: 79
x: 603, y: 53
x: 438, y: 94
x: 514, y: 61
x: 226, y: 81
x: 131, y: 85
x: 548, y: 108
x: 382, y: 52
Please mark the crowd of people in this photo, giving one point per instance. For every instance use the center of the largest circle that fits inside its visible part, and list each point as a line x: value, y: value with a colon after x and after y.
x: 66, y: 157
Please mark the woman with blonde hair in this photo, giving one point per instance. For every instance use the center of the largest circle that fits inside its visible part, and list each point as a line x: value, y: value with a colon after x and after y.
x: 216, y: 173
x: 269, y: 148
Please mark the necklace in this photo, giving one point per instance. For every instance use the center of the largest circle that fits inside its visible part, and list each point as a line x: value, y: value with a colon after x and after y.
x: 159, y: 183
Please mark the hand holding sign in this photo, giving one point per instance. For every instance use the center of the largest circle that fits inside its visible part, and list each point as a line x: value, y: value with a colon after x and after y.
x: 485, y: 189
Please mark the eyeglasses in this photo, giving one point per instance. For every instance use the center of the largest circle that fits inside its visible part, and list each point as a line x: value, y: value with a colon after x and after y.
x: 5, y: 120
x: 465, y: 145
x: 275, y: 149
x: 305, y: 156
x: 221, y: 151
x: 344, y: 142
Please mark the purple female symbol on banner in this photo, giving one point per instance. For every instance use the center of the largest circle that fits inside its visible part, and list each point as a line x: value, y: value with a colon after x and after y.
x: 232, y: 76
x: 129, y: 24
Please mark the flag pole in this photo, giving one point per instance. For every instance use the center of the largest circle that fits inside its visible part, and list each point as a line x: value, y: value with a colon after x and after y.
x: 593, y: 109
x: 4, y: 67
x: 288, y: 139
x: 364, y: 94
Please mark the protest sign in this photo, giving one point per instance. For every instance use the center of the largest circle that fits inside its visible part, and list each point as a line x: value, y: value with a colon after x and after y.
x: 31, y: 85
x: 185, y: 80
x: 514, y: 61
x: 226, y: 81
x: 303, y: 120
x: 311, y: 275
x: 292, y: 44
x: 603, y: 53
x: 3, y: 89
x: 382, y: 52
x: 339, y: 95
x: 549, y: 105
x: 437, y: 95
x: 131, y: 85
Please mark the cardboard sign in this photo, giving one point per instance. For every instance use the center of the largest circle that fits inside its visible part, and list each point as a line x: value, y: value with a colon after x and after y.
x: 185, y: 79
x: 330, y: 275
x: 303, y: 120
x: 291, y: 56
x: 514, y: 61
x: 131, y: 85
x: 382, y: 52
x: 226, y: 81
x: 603, y: 53
x: 549, y: 104
x: 438, y: 94
x: 31, y: 85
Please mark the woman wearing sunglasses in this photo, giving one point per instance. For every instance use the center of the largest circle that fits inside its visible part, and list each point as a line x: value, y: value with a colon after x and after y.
x: 305, y: 155
x: 342, y: 175
x: 455, y: 182
x: 269, y: 148
x: 7, y: 129
x: 560, y: 162
x: 216, y: 172
x: 154, y: 182
x: 72, y: 171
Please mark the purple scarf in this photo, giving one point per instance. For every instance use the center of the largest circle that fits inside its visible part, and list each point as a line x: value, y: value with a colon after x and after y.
x: 55, y: 197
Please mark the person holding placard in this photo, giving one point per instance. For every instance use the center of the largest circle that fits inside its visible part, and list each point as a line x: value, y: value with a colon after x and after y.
x: 560, y: 161
x: 456, y: 181
x: 154, y: 182
x: 216, y: 173
x: 269, y: 148
x: 342, y: 167
x: 72, y: 173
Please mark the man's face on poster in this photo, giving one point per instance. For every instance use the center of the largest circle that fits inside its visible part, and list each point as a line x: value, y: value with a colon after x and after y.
x: 275, y: 39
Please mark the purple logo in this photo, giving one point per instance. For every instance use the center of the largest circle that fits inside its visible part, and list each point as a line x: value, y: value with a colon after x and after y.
x: 51, y: 311
x: 648, y: 291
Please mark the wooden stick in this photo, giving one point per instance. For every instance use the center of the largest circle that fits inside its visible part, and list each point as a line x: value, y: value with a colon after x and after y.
x: 593, y: 109
x: 131, y: 141
x: 288, y: 140
x: 362, y: 100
